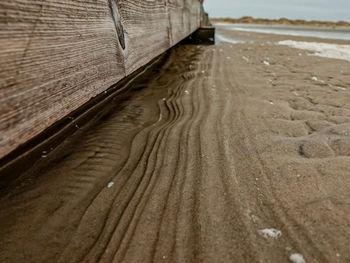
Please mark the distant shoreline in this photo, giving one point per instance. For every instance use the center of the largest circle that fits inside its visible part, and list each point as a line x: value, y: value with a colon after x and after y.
x: 281, y: 21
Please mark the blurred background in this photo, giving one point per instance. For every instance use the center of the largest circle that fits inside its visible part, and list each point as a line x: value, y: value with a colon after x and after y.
x: 325, y: 10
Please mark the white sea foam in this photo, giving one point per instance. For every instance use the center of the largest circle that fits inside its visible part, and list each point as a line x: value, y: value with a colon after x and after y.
x: 270, y: 233
x: 223, y: 24
x: 221, y: 38
x: 288, y: 30
x: 321, y: 49
x: 297, y: 258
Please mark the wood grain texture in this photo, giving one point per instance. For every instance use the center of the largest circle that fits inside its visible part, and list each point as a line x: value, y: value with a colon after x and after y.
x: 57, y: 55
x: 183, y: 18
x: 146, y: 31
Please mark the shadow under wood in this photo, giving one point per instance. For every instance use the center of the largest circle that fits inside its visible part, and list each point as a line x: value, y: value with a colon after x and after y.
x: 205, y: 35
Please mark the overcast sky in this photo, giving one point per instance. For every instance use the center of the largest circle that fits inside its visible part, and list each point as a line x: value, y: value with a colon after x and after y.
x: 332, y: 10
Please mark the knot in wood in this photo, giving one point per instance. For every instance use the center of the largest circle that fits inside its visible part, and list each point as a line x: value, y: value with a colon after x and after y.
x: 117, y: 22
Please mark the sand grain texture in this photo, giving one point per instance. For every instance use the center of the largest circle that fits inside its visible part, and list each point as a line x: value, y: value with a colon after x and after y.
x: 202, y: 156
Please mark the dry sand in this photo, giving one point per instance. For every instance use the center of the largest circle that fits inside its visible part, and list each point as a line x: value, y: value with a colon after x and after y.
x: 229, y: 153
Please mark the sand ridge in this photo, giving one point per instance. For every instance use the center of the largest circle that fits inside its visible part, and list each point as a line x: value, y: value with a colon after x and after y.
x: 215, y: 148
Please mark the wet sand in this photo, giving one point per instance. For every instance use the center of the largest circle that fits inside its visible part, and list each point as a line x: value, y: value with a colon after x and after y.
x: 218, y: 146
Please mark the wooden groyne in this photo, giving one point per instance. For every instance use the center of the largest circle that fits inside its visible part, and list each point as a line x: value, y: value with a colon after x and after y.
x: 57, y: 55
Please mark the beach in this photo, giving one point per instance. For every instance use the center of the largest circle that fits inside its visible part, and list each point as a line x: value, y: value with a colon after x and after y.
x: 238, y: 152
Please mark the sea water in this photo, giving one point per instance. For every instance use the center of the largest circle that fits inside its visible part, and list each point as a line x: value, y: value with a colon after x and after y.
x: 304, y: 31
x: 329, y: 50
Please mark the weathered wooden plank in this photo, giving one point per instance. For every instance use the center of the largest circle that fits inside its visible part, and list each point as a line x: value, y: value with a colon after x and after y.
x: 184, y: 16
x: 146, y: 31
x: 57, y: 55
